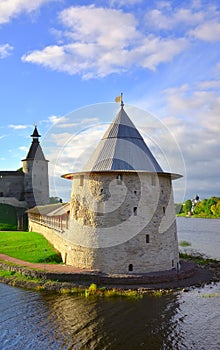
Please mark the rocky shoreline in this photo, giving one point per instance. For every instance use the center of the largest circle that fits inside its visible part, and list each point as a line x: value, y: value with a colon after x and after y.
x: 35, y: 279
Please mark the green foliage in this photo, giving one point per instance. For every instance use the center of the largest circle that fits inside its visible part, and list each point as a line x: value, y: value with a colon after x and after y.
x: 187, y: 206
x: 157, y: 293
x: 184, y: 244
x: 210, y: 295
x: 206, y: 208
x: 93, y: 290
x: 54, y: 200
x: 8, y: 218
x: 28, y: 246
x: 6, y: 273
x: 197, y: 258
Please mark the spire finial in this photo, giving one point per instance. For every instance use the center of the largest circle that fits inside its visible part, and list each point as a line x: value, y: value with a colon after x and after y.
x: 35, y: 134
x: 120, y: 99
x: 122, y: 103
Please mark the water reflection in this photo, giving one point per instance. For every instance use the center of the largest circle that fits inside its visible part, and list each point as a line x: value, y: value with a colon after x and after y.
x: 116, y: 324
x: 36, y: 321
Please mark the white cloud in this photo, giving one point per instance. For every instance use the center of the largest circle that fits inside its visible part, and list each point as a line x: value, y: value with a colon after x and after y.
x: 209, y: 84
x: 121, y: 3
x: 96, y: 48
x: 209, y: 31
x: 101, y: 27
x: 5, y: 50
x: 161, y: 19
x: 12, y: 8
x: 24, y: 148
x: 54, y: 119
x: 154, y: 51
x: 18, y: 126
x: 195, y: 124
x: 70, y: 152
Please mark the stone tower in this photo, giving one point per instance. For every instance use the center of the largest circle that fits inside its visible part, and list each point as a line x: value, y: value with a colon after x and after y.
x: 35, y: 168
x: 122, y: 217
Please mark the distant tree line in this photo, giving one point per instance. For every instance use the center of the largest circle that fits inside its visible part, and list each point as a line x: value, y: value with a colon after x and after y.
x: 54, y: 200
x: 205, y: 208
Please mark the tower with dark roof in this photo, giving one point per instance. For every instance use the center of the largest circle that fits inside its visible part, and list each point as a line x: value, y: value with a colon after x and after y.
x: 35, y: 168
x: 122, y: 209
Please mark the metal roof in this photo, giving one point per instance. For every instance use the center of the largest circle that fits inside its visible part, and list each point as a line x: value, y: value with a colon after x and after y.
x: 50, y: 209
x: 122, y: 148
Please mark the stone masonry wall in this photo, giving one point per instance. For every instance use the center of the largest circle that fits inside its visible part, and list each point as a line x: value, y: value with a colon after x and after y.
x: 127, y: 223
x: 119, y: 225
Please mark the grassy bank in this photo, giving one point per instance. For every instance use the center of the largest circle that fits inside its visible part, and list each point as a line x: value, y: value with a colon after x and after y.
x: 198, y: 259
x: 18, y: 280
x: 28, y: 246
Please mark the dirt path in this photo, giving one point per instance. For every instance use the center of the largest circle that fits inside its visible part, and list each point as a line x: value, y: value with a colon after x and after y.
x: 45, y: 267
x: 200, y: 275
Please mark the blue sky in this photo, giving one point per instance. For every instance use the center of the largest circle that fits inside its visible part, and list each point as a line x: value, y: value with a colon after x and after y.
x: 58, y: 56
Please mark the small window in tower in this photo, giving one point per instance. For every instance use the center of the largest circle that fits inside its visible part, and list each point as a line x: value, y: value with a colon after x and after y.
x: 1, y: 194
x: 135, y: 211
x: 130, y: 267
x: 153, y: 180
x: 164, y: 210
x: 135, y: 192
x: 147, y: 238
x: 119, y: 179
x: 81, y: 179
x: 101, y: 190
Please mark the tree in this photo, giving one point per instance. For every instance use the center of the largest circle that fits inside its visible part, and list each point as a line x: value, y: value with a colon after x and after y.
x: 187, y: 206
x: 54, y: 200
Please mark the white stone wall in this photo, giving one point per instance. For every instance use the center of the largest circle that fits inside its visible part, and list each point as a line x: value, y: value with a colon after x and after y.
x: 69, y: 252
x: 116, y: 236
x: 36, y: 181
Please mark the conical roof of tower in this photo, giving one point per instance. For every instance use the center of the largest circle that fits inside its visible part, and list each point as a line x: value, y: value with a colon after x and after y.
x: 35, y: 151
x: 122, y: 148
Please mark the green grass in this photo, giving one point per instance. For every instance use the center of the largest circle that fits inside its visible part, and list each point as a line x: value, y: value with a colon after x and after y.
x: 93, y: 290
x: 184, y: 244
x: 197, y: 258
x: 28, y: 246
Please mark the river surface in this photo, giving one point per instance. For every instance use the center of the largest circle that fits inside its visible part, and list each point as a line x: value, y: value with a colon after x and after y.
x: 180, y: 320
x: 202, y: 234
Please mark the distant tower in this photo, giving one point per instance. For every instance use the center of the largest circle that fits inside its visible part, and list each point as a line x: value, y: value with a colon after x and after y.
x: 122, y: 209
x: 35, y: 168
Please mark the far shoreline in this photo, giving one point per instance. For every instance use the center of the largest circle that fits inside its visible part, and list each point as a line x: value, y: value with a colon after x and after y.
x: 196, y: 217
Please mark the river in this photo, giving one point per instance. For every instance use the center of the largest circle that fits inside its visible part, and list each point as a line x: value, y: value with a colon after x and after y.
x: 180, y: 320
x: 202, y: 234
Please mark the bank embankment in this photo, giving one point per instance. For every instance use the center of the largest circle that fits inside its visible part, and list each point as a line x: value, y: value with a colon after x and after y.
x: 62, y: 278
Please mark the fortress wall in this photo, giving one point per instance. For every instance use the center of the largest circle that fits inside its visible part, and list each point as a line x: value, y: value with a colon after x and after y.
x: 105, y: 233
x: 12, y: 186
x: 70, y: 253
x: 103, y: 221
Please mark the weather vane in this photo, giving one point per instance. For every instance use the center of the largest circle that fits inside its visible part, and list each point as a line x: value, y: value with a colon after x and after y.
x: 120, y: 99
